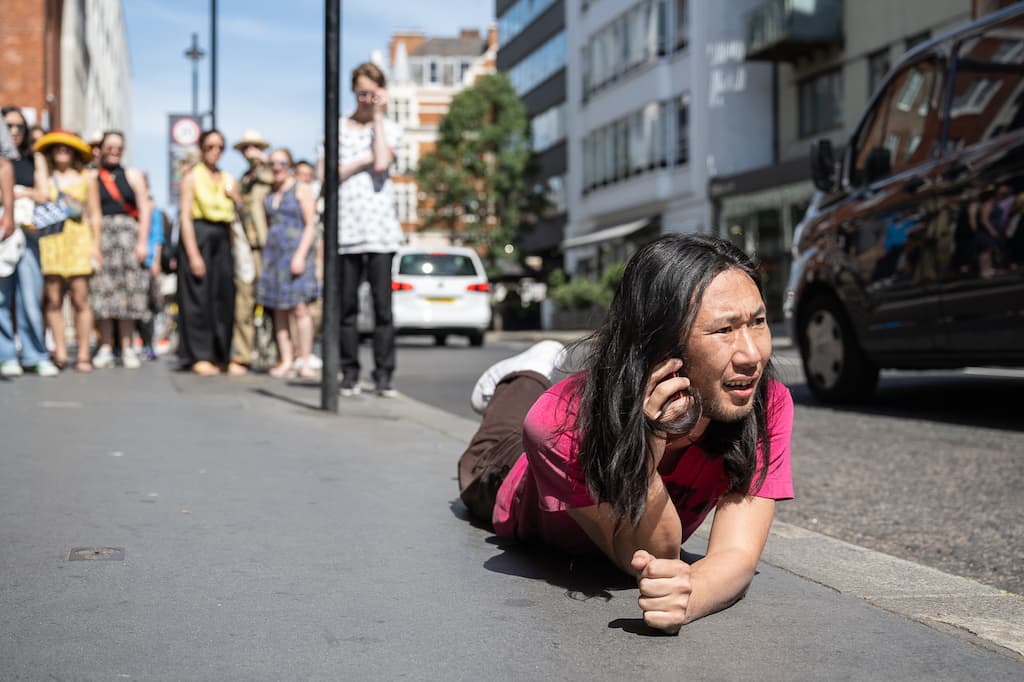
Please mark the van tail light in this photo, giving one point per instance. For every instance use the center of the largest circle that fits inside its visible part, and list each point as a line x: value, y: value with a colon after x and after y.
x: 485, y: 287
x: 400, y: 286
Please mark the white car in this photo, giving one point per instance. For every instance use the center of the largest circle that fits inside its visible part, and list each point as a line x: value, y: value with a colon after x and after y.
x: 437, y: 292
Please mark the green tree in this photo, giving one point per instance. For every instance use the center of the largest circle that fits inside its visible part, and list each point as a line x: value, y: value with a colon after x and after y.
x: 481, y: 175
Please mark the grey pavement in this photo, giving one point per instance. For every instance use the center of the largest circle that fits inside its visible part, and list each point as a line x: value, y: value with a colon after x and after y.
x: 263, y: 539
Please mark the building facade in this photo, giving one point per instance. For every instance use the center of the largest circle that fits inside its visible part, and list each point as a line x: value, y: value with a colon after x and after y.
x: 425, y: 73
x: 66, y: 64
x: 660, y: 100
x: 827, y: 58
x: 533, y: 53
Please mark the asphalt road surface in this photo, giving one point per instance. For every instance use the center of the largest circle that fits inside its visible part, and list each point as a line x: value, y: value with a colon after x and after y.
x: 930, y: 471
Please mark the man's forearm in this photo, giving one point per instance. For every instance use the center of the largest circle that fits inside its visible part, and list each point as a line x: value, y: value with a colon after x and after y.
x: 719, y: 581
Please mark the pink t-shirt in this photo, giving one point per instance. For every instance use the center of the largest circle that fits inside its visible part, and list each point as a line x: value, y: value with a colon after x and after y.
x: 547, y: 478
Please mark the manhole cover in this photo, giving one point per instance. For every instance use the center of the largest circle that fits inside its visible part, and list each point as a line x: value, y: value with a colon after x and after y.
x: 97, y: 554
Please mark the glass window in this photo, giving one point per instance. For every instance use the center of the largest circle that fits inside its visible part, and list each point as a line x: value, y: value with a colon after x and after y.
x: 637, y: 35
x: 682, y: 24
x: 433, y: 71
x: 556, y: 194
x: 449, y: 73
x: 548, y: 128
x: 905, y: 127
x: 416, y: 71
x: 518, y: 17
x: 683, y: 130
x: 437, y: 265
x: 878, y: 66
x: 463, y: 69
x: 821, y: 103
x: 987, y: 90
x: 539, y: 66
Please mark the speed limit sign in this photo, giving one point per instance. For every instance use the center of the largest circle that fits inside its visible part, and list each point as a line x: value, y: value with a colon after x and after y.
x: 185, y: 132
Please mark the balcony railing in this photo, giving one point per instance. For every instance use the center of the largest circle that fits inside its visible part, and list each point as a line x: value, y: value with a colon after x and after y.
x: 785, y: 30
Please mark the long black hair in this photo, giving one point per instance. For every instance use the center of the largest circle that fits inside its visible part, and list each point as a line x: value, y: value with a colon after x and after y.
x: 651, y: 316
x: 25, y: 148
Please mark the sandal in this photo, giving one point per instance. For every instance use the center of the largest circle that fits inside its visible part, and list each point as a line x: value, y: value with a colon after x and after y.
x: 281, y: 370
x: 83, y: 366
x: 60, y: 364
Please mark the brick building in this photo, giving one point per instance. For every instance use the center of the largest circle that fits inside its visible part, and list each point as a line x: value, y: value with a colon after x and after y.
x: 425, y: 73
x: 65, y: 63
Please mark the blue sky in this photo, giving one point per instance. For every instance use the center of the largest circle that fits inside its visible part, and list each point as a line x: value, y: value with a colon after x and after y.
x: 269, y: 62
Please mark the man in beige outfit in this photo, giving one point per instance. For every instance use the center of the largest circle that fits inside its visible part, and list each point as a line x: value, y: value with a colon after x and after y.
x: 254, y: 186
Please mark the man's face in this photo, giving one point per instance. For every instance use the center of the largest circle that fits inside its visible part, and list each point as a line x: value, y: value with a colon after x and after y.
x: 304, y: 173
x: 729, y: 346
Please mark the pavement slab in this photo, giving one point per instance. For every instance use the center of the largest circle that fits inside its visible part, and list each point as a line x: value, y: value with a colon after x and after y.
x: 265, y: 540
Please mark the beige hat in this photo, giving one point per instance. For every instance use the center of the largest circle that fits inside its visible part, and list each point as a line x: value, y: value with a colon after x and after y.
x: 251, y: 137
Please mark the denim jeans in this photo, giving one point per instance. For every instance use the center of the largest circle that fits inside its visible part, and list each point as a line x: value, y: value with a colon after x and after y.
x: 23, y: 290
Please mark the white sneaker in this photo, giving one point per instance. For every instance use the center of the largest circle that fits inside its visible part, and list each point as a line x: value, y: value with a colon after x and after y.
x: 541, y: 357
x: 129, y: 359
x: 46, y: 369
x: 11, y: 368
x: 104, y: 358
x: 315, y: 363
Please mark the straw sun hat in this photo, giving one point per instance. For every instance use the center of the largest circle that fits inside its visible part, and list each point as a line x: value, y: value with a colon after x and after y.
x: 68, y: 138
x: 251, y: 137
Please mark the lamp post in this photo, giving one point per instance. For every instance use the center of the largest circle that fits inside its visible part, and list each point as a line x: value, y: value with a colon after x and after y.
x: 213, y: 64
x: 332, y: 313
x: 194, y: 54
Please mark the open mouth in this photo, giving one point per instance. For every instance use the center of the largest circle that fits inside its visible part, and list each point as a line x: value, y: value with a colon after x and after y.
x: 741, y: 388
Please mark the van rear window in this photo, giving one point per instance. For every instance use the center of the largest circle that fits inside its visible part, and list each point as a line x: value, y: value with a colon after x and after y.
x: 437, y: 265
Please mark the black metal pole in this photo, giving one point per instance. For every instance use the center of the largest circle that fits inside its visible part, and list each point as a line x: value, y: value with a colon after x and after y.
x: 213, y: 63
x: 332, y: 311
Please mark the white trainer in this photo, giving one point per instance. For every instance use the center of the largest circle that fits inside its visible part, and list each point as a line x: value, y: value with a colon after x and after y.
x: 104, y: 358
x: 542, y: 357
x: 129, y: 359
x: 11, y: 368
x: 46, y: 369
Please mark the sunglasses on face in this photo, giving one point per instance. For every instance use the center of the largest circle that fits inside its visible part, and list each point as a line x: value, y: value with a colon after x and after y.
x: 212, y: 147
x: 17, y: 126
x: 61, y: 148
x: 113, y: 151
x: 279, y: 164
x: 365, y: 94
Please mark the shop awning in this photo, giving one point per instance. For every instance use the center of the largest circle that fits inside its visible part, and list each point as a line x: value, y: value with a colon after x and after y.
x: 606, y: 234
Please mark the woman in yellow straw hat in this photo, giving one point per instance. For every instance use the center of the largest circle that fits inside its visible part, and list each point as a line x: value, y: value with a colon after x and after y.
x: 68, y: 257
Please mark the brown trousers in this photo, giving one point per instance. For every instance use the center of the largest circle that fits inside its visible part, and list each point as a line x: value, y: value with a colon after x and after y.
x: 498, y: 442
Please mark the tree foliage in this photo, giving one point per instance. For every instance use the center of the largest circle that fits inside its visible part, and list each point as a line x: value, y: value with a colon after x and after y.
x: 480, y: 177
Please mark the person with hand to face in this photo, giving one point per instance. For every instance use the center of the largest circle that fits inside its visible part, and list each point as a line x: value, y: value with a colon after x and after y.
x: 206, y: 288
x: 676, y: 413
x: 120, y: 287
x: 288, y: 282
x: 369, y: 233
x: 68, y: 256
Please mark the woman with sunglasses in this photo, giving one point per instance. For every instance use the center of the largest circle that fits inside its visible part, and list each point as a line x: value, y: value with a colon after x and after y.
x: 22, y: 289
x: 120, y: 287
x: 67, y: 256
x: 206, y: 287
x: 288, y: 281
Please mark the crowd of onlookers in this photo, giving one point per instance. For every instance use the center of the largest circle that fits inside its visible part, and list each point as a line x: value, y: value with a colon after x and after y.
x: 77, y: 224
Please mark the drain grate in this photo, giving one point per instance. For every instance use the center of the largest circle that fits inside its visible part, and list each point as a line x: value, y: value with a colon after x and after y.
x: 97, y: 554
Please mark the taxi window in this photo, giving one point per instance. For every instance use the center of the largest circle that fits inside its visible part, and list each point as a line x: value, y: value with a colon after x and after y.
x: 988, y: 97
x: 905, y: 129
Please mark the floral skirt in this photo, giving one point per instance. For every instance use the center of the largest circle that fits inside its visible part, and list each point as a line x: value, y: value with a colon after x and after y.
x: 120, y: 288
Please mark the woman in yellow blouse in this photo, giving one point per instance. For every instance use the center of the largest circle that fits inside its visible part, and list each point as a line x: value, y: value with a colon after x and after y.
x: 206, y: 287
x: 68, y: 257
